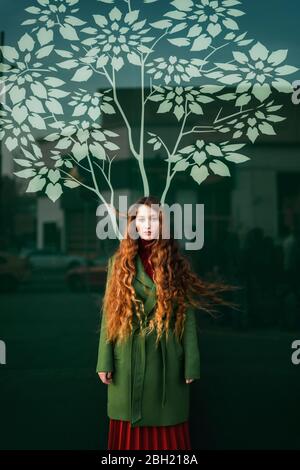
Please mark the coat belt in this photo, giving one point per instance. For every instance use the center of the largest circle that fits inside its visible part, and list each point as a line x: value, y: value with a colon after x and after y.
x: 137, y: 384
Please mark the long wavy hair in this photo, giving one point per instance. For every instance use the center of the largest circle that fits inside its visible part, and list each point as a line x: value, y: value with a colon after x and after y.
x: 175, y: 283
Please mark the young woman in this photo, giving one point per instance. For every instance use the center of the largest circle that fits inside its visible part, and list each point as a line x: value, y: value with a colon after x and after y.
x: 148, y: 349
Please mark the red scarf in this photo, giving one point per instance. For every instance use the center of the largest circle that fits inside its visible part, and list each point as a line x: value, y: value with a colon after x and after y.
x: 144, y: 250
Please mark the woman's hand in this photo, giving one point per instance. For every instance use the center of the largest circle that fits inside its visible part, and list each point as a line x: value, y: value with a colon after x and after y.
x: 105, y: 377
x: 188, y: 381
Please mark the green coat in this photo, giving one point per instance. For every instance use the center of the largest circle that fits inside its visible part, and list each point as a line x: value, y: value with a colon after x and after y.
x: 148, y: 384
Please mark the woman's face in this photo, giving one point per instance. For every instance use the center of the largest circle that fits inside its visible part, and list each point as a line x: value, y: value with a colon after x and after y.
x: 147, y: 222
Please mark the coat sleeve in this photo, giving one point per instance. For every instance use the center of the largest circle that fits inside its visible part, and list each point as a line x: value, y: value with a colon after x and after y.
x: 105, y: 362
x: 191, y: 346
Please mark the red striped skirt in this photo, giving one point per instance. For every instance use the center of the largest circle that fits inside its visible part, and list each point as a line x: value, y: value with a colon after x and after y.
x: 122, y: 436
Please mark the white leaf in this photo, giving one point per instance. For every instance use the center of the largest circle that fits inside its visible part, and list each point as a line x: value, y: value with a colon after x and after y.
x: 179, y: 112
x: 11, y: 143
x: 236, y: 158
x: 283, y: 86
x: 164, y: 107
x: 64, y: 53
x: 82, y: 74
x: 23, y: 162
x: 261, y: 92
x: 226, y: 66
x: 274, y: 118
x: 37, y: 122
x: 252, y: 133
x: 259, y: 51
x: 115, y: 14
x: 240, y: 57
x: 230, y: 79
x: 199, y: 157
x: 196, y: 108
x: 102, y: 61
x: 19, y: 113
x: 26, y: 43
x: 134, y: 59
x: 277, y: 57
x: 94, y: 113
x: 230, y: 24
x: 184, y: 5
x: 38, y: 90
x: 232, y: 147
x: 181, y: 166
x: 111, y: 146
x: 36, y: 184
x: 9, y: 53
x: 63, y: 144
x: 28, y: 22
x: 219, y: 168
x: 44, y: 51
x: 25, y: 173
x: 227, y: 96
x: 97, y: 150
x: 162, y: 24
x: 68, y: 64
x: 177, y: 28
x: 107, y: 108
x: 286, y: 70
x: 243, y: 100
x: 54, y: 106
x: 51, y: 137
x: 98, y: 135
x: 71, y: 184
x: 80, y: 151
x: 45, y: 36
x: 68, y: 32
x: 35, y: 105
x: 201, y: 43
x: 199, y: 174
x: 100, y: 20
x: 234, y: 12
x: 74, y: 21
x: 188, y: 149
x: 131, y: 17
x: 33, y: 10
x: 214, y: 29
x: 54, y: 175
x: 117, y: 63
x: 214, y: 150
x: 53, y: 191
x: 266, y: 128
x: 17, y: 94
x: 176, y: 15
x: 179, y: 42
x: 52, y: 81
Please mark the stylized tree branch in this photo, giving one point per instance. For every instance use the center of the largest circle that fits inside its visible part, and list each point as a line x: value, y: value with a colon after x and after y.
x: 256, y: 70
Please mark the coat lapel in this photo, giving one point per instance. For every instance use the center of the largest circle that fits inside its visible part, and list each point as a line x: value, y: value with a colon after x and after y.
x: 147, y: 285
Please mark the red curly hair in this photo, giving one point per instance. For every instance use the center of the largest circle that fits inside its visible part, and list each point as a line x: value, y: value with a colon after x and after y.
x: 175, y: 282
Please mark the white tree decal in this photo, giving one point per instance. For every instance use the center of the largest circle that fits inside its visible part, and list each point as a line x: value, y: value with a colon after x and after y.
x: 38, y: 99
